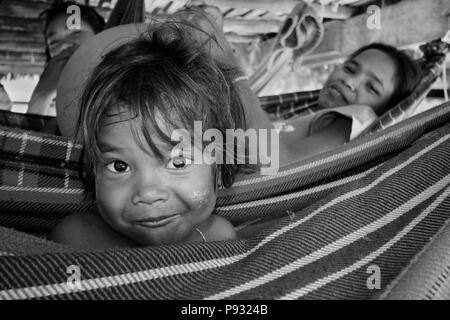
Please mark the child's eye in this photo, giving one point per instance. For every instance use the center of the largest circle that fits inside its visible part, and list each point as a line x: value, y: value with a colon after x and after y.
x: 178, y: 162
x: 118, y: 166
x: 348, y: 69
x: 372, y: 89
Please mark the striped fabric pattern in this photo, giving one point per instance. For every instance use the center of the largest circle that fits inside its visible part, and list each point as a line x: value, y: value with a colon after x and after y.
x: 51, y: 188
x: 288, y: 105
x: 373, y: 204
x: 39, y: 180
x: 23, y: 121
x: 427, y: 277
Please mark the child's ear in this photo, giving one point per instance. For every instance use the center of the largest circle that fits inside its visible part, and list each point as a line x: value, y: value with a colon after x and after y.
x: 217, y: 178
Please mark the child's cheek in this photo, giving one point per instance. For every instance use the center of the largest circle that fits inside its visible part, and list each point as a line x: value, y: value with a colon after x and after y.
x: 109, y: 199
x: 203, y: 198
x: 100, y: 194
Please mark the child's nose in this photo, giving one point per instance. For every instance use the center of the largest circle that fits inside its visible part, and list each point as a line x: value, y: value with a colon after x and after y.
x: 149, y: 189
x: 351, y: 83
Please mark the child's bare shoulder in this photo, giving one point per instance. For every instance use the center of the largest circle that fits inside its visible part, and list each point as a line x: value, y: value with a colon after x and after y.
x: 71, y: 229
x: 87, y: 230
x: 221, y: 229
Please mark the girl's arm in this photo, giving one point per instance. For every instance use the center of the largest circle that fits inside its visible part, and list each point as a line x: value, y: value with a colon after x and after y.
x: 45, y: 90
x: 221, y: 229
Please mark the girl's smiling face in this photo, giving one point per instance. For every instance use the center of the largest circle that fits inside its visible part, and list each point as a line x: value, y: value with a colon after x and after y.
x: 367, y: 79
x: 149, y: 199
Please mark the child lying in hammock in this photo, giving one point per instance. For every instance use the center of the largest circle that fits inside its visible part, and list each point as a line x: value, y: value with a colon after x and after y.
x: 147, y: 189
x: 374, y: 78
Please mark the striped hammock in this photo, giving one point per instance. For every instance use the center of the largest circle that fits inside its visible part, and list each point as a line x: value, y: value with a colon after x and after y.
x: 315, y: 230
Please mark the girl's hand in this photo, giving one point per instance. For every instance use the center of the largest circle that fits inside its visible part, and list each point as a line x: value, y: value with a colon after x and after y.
x: 72, y: 38
x: 59, y: 47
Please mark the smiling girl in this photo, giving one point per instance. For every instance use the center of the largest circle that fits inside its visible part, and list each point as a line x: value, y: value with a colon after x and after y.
x: 372, y: 80
x: 146, y: 187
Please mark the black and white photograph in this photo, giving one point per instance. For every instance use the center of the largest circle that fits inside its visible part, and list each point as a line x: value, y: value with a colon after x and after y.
x: 218, y: 157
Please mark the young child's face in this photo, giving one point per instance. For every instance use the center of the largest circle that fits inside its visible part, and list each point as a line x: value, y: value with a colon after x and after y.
x: 150, y: 200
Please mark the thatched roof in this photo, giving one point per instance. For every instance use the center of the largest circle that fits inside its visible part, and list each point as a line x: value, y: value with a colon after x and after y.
x: 404, y: 22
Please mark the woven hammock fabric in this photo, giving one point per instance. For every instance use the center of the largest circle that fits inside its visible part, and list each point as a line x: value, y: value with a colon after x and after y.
x: 39, y: 175
x: 32, y: 122
x: 375, y: 202
x: 313, y: 231
x: 426, y: 278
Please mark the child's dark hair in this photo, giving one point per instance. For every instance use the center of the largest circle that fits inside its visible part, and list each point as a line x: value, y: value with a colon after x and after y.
x: 88, y: 15
x: 166, y: 73
x: 408, y: 73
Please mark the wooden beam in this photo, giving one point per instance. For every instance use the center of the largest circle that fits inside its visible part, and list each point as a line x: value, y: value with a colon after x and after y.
x: 240, y: 26
x: 246, y: 27
x: 274, y: 6
x: 21, y: 68
x: 20, y: 24
x: 403, y: 24
x: 358, y: 3
x: 37, y: 47
x: 236, y: 38
x: 22, y: 9
x: 20, y: 36
x: 22, y: 56
x: 281, y: 6
x: 329, y: 12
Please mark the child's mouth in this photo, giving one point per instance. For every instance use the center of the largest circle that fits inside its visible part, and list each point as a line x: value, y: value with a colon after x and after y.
x: 156, y: 222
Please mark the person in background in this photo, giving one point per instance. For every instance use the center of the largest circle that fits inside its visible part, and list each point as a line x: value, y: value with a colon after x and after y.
x: 61, y: 42
x: 371, y: 81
